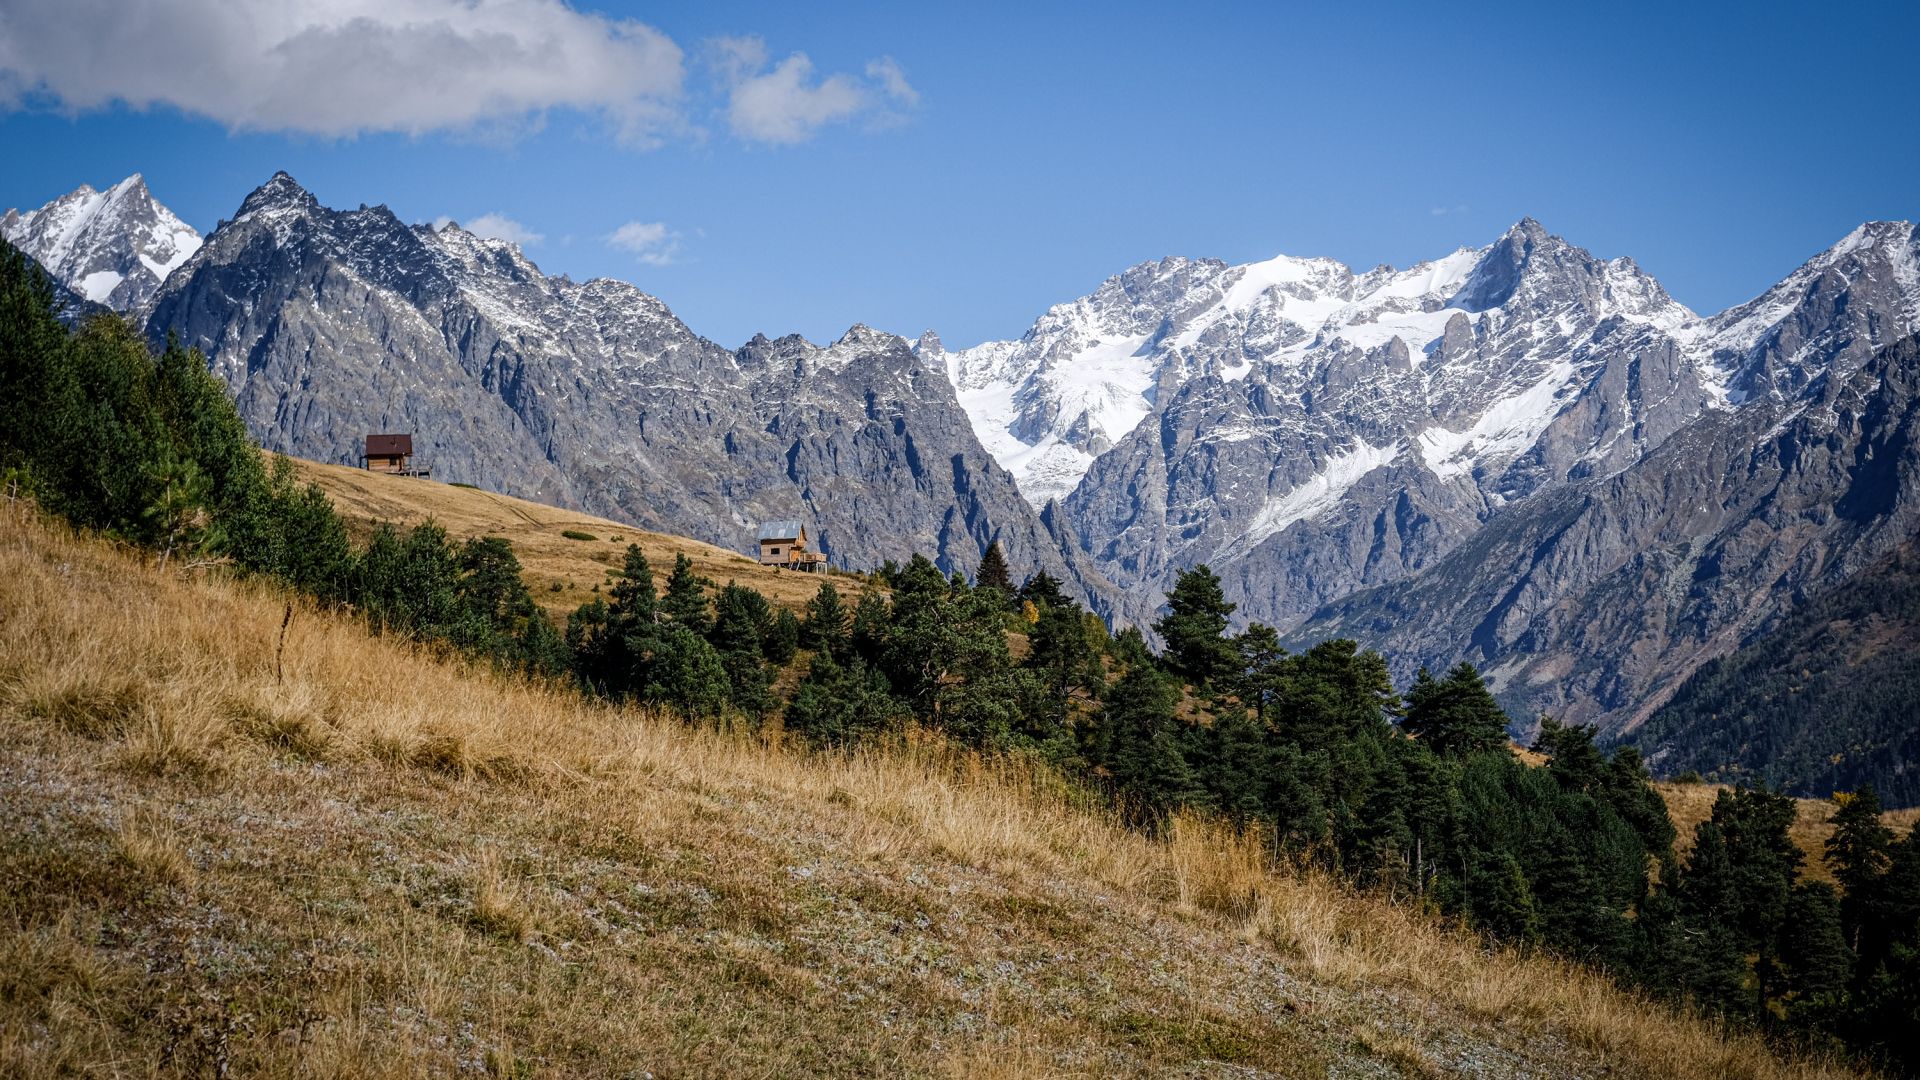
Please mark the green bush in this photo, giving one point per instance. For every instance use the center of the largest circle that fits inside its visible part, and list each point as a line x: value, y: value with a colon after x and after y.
x: 576, y: 534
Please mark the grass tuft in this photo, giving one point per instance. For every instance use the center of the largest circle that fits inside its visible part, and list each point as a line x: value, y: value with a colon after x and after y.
x: 152, y: 850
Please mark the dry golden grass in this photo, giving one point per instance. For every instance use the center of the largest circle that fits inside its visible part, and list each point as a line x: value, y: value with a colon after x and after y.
x: 381, y: 864
x: 1690, y: 804
x: 548, y: 557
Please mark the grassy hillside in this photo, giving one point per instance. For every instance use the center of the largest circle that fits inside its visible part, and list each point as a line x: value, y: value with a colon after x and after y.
x: 239, y: 842
x: 547, y: 556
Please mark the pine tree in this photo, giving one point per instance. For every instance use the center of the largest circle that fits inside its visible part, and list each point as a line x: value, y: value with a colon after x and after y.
x: 1043, y: 590
x: 1065, y: 662
x: 919, y: 643
x: 1142, y: 749
x: 1859, y: 851
x: 827, y: 625
x: 742, y: 620
x: 1258, y: 668
x: 837, y: 705
x: 634, y: 601
x: 1195, y: 626
x: 1455, y: 715
x: 872, y: 626
x: 993, y: 573
x: 37, y: 390
x: 684, y: 603
x: 1815, y: 961
x: 1235, y: 768
x: 783, y: 640
x: 1503, y: 900
x: 684, y: 671
x: 1733, y: 895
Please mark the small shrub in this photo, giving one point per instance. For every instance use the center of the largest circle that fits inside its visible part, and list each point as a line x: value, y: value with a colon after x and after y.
x: 458, y: 484
x: 576, y: 534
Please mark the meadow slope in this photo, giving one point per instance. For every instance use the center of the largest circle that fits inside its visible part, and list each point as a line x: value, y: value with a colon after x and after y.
x: 243, y: 837
x: 561, y: 570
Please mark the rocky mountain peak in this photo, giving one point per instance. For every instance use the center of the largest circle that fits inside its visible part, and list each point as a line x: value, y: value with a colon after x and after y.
x: 860, y: 335
x: 280, y: 194
x: 112, y: 247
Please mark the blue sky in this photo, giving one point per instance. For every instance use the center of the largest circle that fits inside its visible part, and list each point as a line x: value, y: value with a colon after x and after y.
x: 962, y: 169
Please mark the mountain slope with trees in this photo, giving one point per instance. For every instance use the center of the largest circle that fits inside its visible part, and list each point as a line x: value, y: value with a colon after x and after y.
x: 1822, y: 703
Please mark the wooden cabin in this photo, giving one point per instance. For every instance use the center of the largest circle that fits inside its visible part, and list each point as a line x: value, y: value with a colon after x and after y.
x: 390, y: 454
x: 784, y: 543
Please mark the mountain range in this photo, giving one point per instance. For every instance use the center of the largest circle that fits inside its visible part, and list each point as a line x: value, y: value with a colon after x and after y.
x: 1520, y: 454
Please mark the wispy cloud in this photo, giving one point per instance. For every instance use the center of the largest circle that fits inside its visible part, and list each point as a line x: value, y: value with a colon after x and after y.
x: 1443, y: 211
x: 785, y: 103
x: 344, y: 68
x: 497, y: 227
x: 651, y: 242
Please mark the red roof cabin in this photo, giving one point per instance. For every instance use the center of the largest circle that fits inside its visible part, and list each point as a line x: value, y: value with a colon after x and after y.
x: 390, y: 454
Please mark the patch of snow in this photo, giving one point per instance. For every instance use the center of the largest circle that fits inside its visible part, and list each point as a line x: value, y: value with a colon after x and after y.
x: 1320, y: 493
x: 100, y: 284
x: 1506, y: 428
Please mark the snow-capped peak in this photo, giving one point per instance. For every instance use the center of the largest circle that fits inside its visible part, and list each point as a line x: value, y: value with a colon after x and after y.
x: 1090, y: 370
x: 114, y: 247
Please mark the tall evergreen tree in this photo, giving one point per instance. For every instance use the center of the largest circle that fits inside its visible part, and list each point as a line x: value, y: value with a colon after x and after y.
x: 1859, y: 851
x: 1258, y: 671
x: 828, y: 623
x: 783, y: 640
x: 1144, y: 752
x: 1043, y: 590
x: 1455, y: 715
x: 1195, y: 626
x: 634, y: 600
x: 993, y: 573
x: 872, y: 617
x: 684, y: 603
x: 1065, y: 661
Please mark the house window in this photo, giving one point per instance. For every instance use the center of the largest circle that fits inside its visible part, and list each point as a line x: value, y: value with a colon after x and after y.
x: 773, y: 551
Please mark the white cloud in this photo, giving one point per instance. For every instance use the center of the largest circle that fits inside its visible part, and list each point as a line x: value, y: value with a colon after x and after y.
x: 649, y: 241
x: 1443, y: 211
x: 886, y: 71
x: 340, y: 68
x: 496, y: 227
x: 787, y: 104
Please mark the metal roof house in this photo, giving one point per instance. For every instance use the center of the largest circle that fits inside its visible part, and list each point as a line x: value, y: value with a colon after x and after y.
x: 784, y: 543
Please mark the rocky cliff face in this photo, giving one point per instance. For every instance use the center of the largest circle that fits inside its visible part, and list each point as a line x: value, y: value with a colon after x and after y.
x: 329, y: 325
x: 1595, y: 601
x: 1519, y: 454
x: 1309, y: 431
x: 111, y: 247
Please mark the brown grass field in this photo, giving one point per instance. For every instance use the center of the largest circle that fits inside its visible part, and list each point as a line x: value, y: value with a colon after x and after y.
x: 547, y: 557
x: 231, y: 849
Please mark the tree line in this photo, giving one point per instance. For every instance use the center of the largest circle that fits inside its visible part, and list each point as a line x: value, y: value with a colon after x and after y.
x: 1412, y: 791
